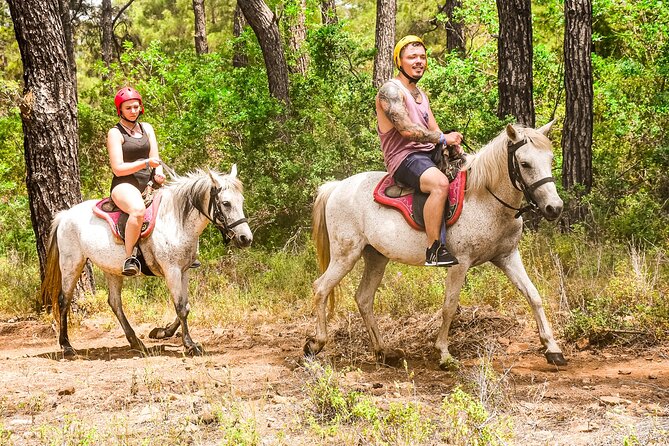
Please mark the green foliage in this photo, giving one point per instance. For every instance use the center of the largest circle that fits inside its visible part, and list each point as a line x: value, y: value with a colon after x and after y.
x: 467, y: 422
x: 333, y: 409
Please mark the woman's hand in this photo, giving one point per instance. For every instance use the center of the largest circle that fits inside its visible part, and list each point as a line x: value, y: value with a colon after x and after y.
x: 159, y: 177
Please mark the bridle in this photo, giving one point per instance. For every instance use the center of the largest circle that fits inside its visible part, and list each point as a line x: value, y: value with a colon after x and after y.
x: 518, y: 182
x: 217, y: 216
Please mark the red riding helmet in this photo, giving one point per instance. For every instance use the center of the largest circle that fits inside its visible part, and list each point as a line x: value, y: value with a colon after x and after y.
x: 126, y: 94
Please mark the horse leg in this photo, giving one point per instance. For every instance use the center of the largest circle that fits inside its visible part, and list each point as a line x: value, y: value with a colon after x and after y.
x: 340, y: 265
x: 177, y: 282
x: 166, y: 332
x: 375, y: 266
x: 115, y: 283
x: 513, y: 267
x: 454, y: 281
x: 70, y: 276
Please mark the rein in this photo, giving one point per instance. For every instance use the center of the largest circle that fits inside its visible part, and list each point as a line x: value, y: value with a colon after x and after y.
x: 519, y: 183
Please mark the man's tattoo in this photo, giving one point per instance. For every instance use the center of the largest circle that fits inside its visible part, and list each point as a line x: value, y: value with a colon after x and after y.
x: 392, y: 103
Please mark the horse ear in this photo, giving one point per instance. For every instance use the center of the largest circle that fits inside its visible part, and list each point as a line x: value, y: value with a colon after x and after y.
x: 546, y: 128
x: 511, y: 132
x: 233, y: 171
x: 214, y: 180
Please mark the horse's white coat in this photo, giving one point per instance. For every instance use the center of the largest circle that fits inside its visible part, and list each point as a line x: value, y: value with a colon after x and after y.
x: 169, y: 250
x: 351, y: 224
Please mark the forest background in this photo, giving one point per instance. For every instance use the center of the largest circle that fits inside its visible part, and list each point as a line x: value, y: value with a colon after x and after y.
x: 210, y: 113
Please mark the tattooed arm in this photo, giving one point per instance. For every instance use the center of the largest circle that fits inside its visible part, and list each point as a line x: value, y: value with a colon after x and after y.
x: 390, y: 107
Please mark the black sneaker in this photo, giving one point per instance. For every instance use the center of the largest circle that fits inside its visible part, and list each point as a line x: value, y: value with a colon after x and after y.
x: 437, y: 255
x: 131, y: 267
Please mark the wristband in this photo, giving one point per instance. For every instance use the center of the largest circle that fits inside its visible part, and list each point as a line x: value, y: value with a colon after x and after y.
x: 147, y: 164
x: 442, y: 139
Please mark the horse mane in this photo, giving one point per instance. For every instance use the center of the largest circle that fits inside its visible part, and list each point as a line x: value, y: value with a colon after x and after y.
x: 191, y: 192
x: 484, y: 165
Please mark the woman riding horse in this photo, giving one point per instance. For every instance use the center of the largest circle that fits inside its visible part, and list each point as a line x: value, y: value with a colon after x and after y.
x: 133, y: 152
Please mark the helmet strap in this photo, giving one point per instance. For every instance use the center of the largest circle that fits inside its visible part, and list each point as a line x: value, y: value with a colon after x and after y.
x: 412, y: 80
x: 131, y: 121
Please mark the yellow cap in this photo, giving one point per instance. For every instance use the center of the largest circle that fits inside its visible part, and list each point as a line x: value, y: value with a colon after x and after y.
x: 404, y: 41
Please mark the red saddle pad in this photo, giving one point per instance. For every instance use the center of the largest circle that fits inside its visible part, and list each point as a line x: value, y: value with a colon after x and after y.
x: 113, y: 217
x: 404, y: 204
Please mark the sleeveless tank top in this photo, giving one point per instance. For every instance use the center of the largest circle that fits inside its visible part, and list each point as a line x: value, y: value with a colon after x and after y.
x: 133, y: 150
x: 396, y: 147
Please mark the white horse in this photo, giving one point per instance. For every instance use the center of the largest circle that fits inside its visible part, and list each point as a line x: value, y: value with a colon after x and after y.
x: 188, y: 204
x: 348, y: 224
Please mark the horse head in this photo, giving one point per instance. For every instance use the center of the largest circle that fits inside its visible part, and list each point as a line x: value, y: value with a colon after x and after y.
x: 226, y: 208
x: 530, y: 159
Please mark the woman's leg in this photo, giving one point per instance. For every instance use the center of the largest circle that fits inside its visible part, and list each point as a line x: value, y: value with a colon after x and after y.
x: 129, y: 200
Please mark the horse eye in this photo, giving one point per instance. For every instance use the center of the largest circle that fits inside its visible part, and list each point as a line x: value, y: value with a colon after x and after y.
x: 525, y: 165
x: 226, y: 204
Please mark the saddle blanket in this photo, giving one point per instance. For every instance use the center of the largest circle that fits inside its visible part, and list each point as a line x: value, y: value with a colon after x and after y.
x: 107, y: 210
x: 407, y: 201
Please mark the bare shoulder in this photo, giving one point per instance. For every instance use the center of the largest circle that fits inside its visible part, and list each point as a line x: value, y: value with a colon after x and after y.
x: 114, y: 134
x: 390, y: 91
x: 148, y: 127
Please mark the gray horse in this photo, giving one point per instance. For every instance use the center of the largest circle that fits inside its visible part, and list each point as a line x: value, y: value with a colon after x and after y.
x: 188, y: 205
x: 349, y: 224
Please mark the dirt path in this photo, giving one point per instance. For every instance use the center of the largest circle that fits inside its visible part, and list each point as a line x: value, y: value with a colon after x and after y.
x: 109, y: 393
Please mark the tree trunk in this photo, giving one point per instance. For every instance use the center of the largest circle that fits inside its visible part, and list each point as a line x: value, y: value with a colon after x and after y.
x: 201, y: 46
x: 265, y: 26
x: 329, y: 12
x: 239, y: 58
x: 515, y: 61
x: 48, y: 114
x: 298, y: 34
x: 386, y: 10
x: 455, y: 36
x: 107, y: 28
x: 577, y: 129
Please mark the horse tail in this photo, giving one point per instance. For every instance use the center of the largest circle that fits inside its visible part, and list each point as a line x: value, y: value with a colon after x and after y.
x: 52, y: 283
x: 320, y: 237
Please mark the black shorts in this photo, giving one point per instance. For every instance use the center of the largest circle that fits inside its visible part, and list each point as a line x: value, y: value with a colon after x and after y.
x: 414, y: 165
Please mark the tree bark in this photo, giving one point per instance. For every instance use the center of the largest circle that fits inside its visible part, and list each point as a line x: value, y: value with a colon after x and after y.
x: 514, y: 49
x: 48, y: 114
x: 455, y: 36
x: 239, y: 58
x: 386, y: 10
x: 201, y: 46
x: 298, y: 34
x: 107, y: 28
x: 266, y: 28
x: 329, y: 12
x: 577, y: 129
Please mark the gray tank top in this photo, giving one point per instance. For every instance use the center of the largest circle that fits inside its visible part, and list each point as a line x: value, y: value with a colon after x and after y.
x: 133, y: 150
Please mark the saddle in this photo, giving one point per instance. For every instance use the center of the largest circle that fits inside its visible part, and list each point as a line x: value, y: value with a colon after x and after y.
x: 411, y: 202
x: 107, y: 210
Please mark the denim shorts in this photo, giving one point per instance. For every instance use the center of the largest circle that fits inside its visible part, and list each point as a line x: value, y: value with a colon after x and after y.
x: 414, y: 165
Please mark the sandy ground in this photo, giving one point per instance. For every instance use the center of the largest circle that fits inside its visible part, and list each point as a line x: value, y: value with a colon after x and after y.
x: 109, y: 394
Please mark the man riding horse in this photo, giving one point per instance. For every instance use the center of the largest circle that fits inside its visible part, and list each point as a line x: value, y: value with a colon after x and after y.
x: 411, y: 141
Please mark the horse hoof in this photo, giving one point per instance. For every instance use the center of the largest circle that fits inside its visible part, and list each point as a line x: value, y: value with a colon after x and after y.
x: 310, y: 348
x: 157, y: 333
x: 449, y: 364
x: 195, y: 350
x: 555, y: 358
x: 391, y: 357
x: 69, y: 352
